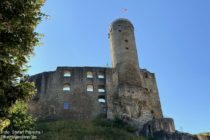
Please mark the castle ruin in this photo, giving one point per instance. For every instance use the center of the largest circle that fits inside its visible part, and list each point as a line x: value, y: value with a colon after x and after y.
x: 125, y: 90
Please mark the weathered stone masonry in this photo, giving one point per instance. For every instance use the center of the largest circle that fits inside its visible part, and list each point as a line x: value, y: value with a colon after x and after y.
x: 49, y: 101
x: 125, y: 90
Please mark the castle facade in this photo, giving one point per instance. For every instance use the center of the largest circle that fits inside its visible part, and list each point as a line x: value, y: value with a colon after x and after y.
x: 124, y: 90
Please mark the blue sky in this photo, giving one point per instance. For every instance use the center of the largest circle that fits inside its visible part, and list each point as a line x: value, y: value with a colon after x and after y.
x: 172, y: 38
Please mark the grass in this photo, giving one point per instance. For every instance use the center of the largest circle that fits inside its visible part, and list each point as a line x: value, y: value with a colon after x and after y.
x: 204, y: 134
x: 99, y: 129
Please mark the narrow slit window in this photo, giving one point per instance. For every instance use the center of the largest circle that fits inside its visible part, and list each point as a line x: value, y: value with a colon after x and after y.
x: 90, y: 88
x: 67, y: 73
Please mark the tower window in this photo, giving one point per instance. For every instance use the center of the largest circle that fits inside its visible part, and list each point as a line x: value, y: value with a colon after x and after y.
x: 66, y: 88
x: 126, y: 40
x: 66, y: 105
x: 67, y: 73
x: 89, y: 74
x: 90, y: 88
x: 127, y: 48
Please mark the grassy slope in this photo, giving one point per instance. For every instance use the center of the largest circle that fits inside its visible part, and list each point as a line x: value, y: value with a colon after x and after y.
x: 82, y: 130
x: 203, y: 135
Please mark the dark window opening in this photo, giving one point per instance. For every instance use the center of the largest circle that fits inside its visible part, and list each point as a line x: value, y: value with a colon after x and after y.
x: 126, y: 40
x: 146, y: 75
x: 127, y: 48
x: 149, y: 129
x: 119, y: 30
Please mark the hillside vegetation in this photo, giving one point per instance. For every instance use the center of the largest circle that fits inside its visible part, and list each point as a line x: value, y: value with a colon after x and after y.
x: 86, y: 130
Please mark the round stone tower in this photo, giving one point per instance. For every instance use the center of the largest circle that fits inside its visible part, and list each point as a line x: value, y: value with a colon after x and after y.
x: 124, y: 53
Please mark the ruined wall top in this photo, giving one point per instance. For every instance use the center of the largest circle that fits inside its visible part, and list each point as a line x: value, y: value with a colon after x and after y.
x: 121, y: 22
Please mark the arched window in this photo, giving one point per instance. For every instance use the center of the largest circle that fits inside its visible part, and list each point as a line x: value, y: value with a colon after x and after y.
x: 67, y: 73
x: 89, y: 74
x: 90, y: 88
x: 101, y: 99
x: 101, y: 88
x: 66, y: 88
x: 101, y: 76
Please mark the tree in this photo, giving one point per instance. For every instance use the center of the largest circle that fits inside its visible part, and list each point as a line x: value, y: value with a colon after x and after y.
x: 19, y: 118
x: 18, y: 19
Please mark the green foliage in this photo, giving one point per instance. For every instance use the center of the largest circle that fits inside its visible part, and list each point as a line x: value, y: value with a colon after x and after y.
x: 203, y: 134
x: 18, y: 19
x: 82, y: 130
x: 116, y: 123
x: 19, y: 118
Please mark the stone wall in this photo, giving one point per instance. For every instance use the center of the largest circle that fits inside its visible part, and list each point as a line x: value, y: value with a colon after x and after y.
x: 84, y: 92
x: 135, y: 104
x: 49, y: 101
x: 52, y: 102
x: 135, y: 97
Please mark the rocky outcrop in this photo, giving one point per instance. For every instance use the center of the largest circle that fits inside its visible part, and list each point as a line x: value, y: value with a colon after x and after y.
x: 164, y: 129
